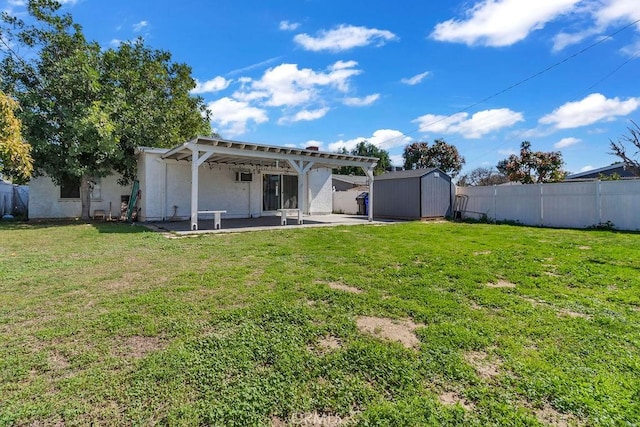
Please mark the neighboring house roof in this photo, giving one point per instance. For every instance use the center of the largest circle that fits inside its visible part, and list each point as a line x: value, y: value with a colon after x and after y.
x: 259, y: 155
x: 413, y: 173
x: 355, y: 180
x: 618, y: 168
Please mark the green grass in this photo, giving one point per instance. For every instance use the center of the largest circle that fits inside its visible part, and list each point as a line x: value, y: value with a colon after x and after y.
x: 109, y: 324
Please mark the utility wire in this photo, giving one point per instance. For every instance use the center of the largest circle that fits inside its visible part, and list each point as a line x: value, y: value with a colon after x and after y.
x: 531, y: 77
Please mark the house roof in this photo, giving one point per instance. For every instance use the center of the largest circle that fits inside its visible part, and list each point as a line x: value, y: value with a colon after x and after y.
x: 615, y: 167
x: 351, y: 179
x: 249, y: 154
x: 413, y: 173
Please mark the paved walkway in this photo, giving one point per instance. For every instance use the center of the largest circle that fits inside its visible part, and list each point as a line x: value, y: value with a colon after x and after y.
x: 262, y: 223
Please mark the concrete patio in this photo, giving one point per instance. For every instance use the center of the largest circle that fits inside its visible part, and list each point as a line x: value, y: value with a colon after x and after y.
x: 263, y: 223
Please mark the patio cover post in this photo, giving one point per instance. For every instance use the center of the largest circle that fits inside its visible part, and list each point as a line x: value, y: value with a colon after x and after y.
x: 369, y: 172
x: 301, y: 169
x: 196, y: 161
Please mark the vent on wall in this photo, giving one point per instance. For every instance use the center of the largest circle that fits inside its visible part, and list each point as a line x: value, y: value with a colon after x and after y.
x: 244, y: 177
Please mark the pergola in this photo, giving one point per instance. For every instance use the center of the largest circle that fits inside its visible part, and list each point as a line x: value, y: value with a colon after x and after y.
x: 203, y: 150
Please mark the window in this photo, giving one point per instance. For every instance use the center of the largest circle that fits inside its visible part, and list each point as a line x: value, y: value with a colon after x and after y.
x: 70, y: 188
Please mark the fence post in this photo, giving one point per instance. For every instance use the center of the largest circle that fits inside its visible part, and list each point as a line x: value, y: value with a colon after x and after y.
x: 541, y: 205
x: 598, y: 202
x: 495, y: 196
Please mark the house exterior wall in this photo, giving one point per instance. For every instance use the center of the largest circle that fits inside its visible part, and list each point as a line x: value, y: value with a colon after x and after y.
x: 320, y: 192
x: 165, y: 184
x: 45, y: 201
x: 397, y: 198
x: 6, y: 198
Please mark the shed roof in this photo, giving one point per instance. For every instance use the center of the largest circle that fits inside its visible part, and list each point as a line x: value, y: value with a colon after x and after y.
x: 250, y: 154
x: 413, y: 173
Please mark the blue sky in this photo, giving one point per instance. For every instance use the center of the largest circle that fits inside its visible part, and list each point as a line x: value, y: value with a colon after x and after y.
x: 332, y: 73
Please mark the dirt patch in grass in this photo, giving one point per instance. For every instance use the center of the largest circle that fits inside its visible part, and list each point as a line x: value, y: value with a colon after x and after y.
x: 485, y: 366
x: 326, y: 344
x: 551, y: 417
x: 345, y: 288
x: 310, y: 419
x: 501, y: 284
x: 481, y: 253
x: 452, y: 398
x: 475, y: 306
x: 563, y: 312
x: 570, y: 313
x: 584, y: 248
x: 138, y: 346
x: 58, y: 361
x: 402, y: 331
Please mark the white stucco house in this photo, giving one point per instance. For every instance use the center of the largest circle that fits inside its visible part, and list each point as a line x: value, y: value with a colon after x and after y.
x: 245, y: 180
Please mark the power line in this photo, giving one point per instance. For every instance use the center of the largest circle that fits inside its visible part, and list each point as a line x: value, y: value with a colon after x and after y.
x: 533, y: 76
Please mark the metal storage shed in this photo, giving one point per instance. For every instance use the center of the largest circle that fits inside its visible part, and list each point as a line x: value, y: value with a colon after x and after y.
x: 413, y: 194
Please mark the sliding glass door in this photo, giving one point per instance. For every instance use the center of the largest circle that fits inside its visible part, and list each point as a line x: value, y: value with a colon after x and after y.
x: 279, y: 192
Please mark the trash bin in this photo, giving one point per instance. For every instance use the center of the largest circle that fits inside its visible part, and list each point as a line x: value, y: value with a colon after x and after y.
x: 363, y: 200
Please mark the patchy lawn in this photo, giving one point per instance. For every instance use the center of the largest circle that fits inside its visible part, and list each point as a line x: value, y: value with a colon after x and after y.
x: 410, y: 324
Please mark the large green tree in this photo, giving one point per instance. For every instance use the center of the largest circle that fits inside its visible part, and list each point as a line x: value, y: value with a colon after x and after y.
x: 85, y: 109
x: 533, y: 166
x: 15, y: 153
x: 441, y: 155
x: 366, y: 149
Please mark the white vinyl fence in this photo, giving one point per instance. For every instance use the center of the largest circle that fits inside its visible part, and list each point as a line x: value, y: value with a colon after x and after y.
x: 565, y: 204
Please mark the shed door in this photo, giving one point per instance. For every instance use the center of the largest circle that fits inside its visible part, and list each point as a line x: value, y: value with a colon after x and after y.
x: 436, y: 196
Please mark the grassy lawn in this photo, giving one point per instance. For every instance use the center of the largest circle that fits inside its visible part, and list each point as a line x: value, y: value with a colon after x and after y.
x: 411, y: 324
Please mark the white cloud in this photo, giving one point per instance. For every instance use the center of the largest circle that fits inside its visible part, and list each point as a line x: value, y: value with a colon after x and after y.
x: 382, y: 138
x: 632, y: 50
x: 412, y: 81
x: 115, y: 42
x: 361, y: 102
x: 234, y: 115
x: 216, y: 84
x: 566, y: 142
x: 592, y: 109
x: 586, y: 168
x: 288, y: 86
x: 344, y: 37
x: 140, y: 26
x: 562, y: 40
x: 476, y: 126
x: 501, y: 22
x: 617, y: 10
x: 507, y: 152
x: 289, y: 26
x: 305, y: 115
x: 603, y: 14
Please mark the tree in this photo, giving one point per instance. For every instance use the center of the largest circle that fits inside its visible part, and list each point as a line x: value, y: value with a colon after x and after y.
x: 84, y: 110
x: 441, y: 155
x: 15, y: 154
x: 618, y: 148
x: 533, y: 166
x: 366, y: 149
x: 482, y: 176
